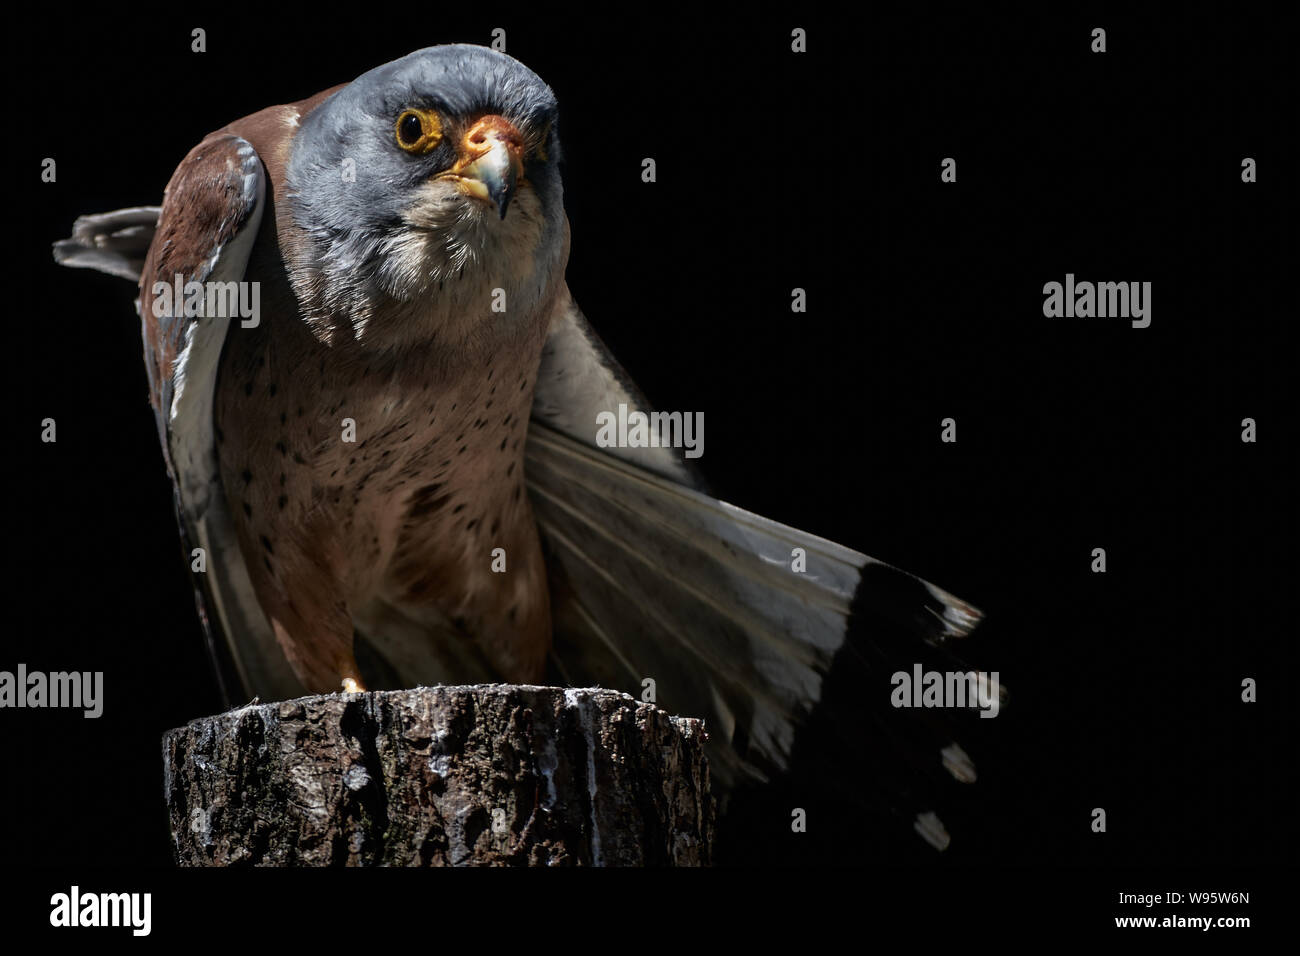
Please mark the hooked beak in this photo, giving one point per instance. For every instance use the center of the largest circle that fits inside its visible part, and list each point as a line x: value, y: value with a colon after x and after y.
x: 490, y: 162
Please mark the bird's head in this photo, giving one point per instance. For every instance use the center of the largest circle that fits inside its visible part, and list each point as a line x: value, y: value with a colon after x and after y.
x: 438, y: 167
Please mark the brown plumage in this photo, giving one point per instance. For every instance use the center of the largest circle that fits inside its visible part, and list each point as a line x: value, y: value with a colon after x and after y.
x: 412, y: 510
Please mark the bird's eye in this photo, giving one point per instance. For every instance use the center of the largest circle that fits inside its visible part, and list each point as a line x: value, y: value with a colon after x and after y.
x: 409, y: 130
x: 418, y: 131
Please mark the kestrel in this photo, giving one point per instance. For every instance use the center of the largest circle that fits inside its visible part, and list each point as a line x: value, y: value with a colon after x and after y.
x: 390, y: 471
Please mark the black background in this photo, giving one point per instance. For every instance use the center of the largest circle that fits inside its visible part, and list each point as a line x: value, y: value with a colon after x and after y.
x: 775, y: 171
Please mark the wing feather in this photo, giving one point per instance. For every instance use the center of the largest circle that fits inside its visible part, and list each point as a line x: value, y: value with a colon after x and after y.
x: 210, y: 218
x: 653, y: 577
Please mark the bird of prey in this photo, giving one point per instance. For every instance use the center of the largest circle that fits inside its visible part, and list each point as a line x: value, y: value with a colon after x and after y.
x: 389, y: 475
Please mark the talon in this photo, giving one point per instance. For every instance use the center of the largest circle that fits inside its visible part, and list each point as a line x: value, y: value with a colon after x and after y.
x: 352, y: 686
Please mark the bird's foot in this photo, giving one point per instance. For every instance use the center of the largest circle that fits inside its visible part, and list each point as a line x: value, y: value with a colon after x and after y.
x: 352, y: 686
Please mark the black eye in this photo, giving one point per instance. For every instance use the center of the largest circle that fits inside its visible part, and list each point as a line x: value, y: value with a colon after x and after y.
x: 418, y: 131
x: 409, y: 129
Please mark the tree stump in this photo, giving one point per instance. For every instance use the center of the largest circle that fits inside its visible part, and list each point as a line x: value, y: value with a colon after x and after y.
x: 493, y: 774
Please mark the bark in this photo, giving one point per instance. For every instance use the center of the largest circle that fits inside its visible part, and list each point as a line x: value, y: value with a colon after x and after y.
x: 441, y: 776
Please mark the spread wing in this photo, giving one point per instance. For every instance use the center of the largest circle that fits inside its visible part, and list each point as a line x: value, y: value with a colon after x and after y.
x: 655, y: 578
x: 205, y: 232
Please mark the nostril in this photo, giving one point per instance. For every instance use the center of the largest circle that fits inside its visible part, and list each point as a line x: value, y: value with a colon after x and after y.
x: 493, y: 128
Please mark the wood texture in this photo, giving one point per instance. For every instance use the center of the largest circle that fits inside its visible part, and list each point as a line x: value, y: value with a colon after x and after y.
x: 441, y: 776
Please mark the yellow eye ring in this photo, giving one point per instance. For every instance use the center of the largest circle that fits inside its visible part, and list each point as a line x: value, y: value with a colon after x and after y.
x: 418, y: 131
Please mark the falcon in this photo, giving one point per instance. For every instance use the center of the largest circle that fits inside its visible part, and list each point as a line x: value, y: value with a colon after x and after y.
x: 389, y: 476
